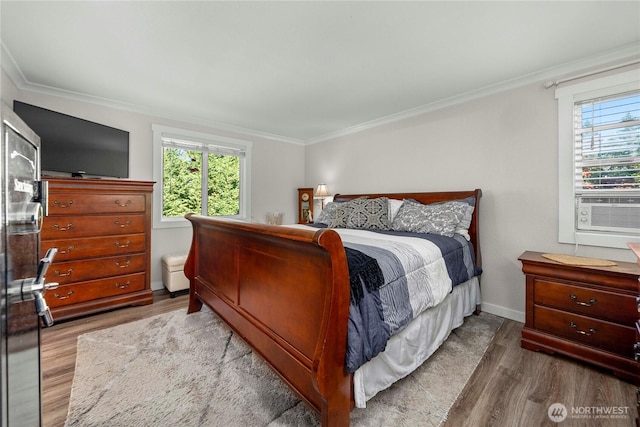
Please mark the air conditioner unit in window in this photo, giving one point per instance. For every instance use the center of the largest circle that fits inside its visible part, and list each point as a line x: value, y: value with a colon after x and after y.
x: 609, y: 213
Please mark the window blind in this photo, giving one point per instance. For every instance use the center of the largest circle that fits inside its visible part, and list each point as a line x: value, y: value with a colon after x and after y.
x: 607, y: 143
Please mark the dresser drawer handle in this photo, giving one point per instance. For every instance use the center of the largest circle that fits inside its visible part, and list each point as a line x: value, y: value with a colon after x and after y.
x: 59, y: 274
x: 585, y: 304
x: 66, y: 251
x: 123, y: 285
x: 119, y: 224
x: 125, y: 265
x: 123, y: 205
x: 124, y: 245
x: 581, y: 332
x: 638, y: 303
x: 68, y: 295
x: 60, y: 204
x: 63, y: 228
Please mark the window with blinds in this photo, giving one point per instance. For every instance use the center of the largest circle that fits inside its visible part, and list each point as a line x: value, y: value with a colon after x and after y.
x: 200, y: 173
x: 607, y: 144
x: 599, y: 160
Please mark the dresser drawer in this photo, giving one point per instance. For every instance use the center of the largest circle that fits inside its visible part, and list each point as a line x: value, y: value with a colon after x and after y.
x: 94, y: 289
x: 608, y: 336
x: 80, y: 204
x: 91, y: 247
x: 79, y: 271
x: 611, y: 306
x: 64, y: 227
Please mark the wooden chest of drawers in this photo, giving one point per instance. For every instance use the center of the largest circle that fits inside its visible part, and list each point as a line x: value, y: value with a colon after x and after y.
x: 102, y: 229
x: 588, y: 313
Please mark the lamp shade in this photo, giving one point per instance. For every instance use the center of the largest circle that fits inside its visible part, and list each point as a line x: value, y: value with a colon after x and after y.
x: 322, y: 191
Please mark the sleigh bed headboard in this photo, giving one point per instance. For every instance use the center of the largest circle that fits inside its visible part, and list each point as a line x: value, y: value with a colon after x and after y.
x: 436, y: 197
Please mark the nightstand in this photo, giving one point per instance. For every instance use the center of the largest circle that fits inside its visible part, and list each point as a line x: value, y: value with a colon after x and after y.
x: 588, y: 313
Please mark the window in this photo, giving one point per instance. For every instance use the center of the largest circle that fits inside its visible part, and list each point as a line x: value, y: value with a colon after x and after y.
x: 199, y: 173
x: 599, y: 154
x: 607, y: 138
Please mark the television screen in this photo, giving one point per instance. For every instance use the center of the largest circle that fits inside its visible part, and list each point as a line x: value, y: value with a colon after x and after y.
x: 77, y: 146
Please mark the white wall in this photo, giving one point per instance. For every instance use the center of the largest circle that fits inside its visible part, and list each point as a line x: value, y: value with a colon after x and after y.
x: 277, y: 167
x: 505, y: 144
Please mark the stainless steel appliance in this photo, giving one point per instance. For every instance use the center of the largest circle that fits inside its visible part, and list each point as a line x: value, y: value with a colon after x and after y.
x: 22, y: 287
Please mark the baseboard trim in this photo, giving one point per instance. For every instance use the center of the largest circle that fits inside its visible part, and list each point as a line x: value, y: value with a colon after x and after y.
x: 156, y: 285
x: 518, y: 316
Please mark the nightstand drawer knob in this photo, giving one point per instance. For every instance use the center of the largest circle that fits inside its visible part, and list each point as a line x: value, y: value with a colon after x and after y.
x: 585, y: 304
x: 590, y: 332
x: 638, y: 303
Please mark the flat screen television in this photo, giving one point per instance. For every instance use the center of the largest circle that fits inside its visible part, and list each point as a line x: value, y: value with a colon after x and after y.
x: 76, y: 146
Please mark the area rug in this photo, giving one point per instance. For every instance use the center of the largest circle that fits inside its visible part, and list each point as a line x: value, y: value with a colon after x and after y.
x: 176, y: 369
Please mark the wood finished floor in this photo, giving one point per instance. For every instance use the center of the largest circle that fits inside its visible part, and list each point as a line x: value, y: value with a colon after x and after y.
x: 510, y: 387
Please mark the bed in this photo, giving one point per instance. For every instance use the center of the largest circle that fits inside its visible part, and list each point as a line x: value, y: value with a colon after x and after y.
x: 290, y: 292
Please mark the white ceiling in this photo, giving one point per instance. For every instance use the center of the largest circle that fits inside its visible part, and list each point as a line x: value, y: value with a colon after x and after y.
x: 302, y: 70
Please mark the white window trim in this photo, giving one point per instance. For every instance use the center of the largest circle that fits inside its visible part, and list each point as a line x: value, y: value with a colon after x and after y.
x: 567, y: 96
x: 245, y: 172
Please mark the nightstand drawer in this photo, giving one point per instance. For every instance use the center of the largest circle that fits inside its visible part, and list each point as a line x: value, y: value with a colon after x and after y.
x: 587, y: 301
x: 593, y: 332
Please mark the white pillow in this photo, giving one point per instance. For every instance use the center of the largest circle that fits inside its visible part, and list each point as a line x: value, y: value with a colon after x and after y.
x: 394, y: 206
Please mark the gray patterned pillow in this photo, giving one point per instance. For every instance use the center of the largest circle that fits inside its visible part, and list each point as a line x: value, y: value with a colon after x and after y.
x: 369, y: 213
x: 465, y: 222
x: 327, y: 214
x: 340, y: 215
x: 435, y: 218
